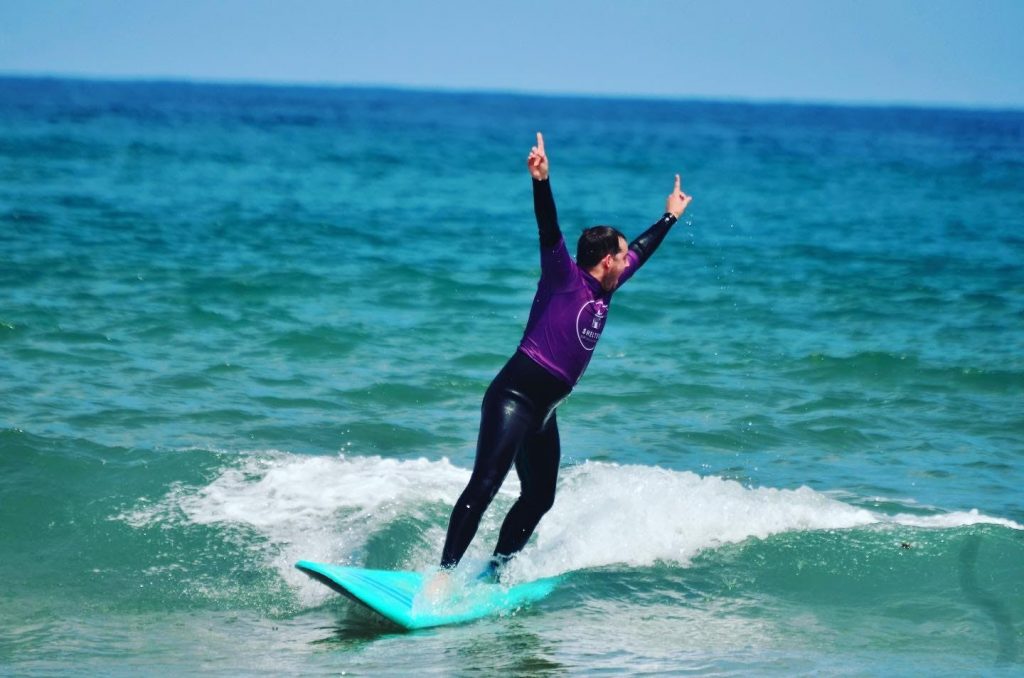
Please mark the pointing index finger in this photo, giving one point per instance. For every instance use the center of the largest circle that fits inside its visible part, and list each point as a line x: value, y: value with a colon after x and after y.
x: 540, y: 143
x: 677, y: 189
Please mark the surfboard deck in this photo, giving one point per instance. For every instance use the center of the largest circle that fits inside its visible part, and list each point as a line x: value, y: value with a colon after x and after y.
x: 395, y: 595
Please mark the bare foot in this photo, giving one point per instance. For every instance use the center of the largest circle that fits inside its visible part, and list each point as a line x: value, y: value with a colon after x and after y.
x: 438, y: 587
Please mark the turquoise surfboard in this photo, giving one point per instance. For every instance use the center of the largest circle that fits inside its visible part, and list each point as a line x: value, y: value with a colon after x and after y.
x: 395, y: 595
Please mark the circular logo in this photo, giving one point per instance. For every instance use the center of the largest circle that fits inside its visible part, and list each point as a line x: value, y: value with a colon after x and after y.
x: 590, y: 323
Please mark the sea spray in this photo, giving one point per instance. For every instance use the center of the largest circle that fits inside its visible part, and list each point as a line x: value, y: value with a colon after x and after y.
x: 331, y: 508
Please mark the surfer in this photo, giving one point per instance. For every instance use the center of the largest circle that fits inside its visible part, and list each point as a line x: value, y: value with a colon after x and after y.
x: 518, y: 425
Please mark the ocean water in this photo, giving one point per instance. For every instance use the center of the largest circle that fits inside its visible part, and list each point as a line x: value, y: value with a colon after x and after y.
x: 245, y: 325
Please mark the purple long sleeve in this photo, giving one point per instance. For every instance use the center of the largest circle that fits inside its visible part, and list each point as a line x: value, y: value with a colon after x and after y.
x: 570, y: 307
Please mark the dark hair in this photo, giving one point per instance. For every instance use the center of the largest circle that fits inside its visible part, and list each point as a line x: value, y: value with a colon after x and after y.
x: 595, y: 243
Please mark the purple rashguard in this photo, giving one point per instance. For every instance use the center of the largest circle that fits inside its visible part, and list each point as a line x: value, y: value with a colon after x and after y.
x: 570, y: 308
x: 568, y: 314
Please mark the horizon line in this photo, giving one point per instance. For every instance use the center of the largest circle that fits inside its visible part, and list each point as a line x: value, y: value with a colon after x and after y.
x: 541, y: 93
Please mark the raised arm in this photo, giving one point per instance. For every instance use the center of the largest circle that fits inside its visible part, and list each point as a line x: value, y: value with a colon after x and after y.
x: 543, y: 200
x: 648, y: 241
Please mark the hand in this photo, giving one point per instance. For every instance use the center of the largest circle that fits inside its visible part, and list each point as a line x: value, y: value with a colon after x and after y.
x: 677, y: 201
x: 537, y: 161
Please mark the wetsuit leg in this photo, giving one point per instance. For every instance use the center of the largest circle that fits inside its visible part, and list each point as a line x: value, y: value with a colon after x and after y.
x: 537, y: 468
x: 514, y: 418
x: 505, y: 421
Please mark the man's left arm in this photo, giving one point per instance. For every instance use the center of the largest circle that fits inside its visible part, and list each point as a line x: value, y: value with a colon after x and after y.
x: 647, y: 242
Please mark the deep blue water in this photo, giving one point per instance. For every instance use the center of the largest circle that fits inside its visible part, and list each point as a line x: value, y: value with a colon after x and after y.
x: 244, y: 325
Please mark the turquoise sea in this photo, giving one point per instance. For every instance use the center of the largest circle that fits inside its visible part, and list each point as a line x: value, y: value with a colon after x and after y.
x: 246, y: 325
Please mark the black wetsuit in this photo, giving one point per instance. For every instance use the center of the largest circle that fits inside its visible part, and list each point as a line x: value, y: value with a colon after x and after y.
x: 518, y: 424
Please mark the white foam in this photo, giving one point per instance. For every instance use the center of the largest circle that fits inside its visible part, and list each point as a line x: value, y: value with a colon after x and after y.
x: 953, y: 519
x: 313, y: 508
x: 638, y: 515
x: 325, y: 508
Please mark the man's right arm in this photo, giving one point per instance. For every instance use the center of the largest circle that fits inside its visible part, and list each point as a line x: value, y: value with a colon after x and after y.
x: 543, y: 201
x: 547, y: 216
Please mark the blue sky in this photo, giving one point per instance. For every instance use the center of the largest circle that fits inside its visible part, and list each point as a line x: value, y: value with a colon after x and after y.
x: 960, y: 52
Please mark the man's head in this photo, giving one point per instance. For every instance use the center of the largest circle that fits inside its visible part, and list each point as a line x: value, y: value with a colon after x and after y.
x: 601, y: 251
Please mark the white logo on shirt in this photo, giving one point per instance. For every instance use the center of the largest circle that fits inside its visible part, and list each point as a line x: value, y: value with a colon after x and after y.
x: 589, y: 325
